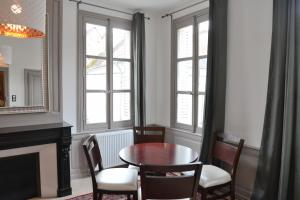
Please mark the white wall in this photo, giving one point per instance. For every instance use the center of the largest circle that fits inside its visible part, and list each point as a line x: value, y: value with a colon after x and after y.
x: 249, y: 45
x: 69, y: 63
x: 26, y: 54
x: 249, y: 42
x: 151, y: 70
x: 163, y: 65
x: 70, y: 59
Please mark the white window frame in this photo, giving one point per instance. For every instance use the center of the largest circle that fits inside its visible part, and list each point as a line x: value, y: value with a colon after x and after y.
x: 110, y: 23
x: 192, y: 19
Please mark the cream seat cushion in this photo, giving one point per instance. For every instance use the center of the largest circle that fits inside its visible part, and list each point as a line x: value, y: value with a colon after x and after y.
x: 212, y: 175
x: 134, y: 167
x: 117, y: 179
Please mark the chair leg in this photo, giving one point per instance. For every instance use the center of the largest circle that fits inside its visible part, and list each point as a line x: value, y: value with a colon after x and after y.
x: 135, y: 195
x: 232, y: 191
x: 128, y: 196
x: 95, y: 196
x: 203, y: 195
x: 100, y: 196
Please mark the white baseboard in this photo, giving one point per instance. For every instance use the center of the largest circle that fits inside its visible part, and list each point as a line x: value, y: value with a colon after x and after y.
x: 75, y: 174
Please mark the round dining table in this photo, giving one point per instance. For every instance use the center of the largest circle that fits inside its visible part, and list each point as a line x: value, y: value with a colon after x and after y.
x: 157, y: 154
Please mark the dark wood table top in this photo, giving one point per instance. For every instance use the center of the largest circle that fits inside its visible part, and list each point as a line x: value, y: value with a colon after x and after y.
x: 157, y: 154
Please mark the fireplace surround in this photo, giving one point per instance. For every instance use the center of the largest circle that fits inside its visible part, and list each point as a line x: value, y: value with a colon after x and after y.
x: 52, y: 143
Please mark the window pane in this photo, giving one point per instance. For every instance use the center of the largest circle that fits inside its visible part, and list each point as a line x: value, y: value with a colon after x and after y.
x: 95, y: 74
x: 201, y: 99
x: 121, y: 41
x: 121, y: 75
x: 95, y: 40
x: 203, y: 37
x: 121, y: 106
x: 95, y: 108
x: 185, y: 42
x: 184, y: 109
x: 185, y: 76
x: 202, y: 74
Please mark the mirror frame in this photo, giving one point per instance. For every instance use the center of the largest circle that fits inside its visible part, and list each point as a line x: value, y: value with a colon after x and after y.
x: 51, y: 66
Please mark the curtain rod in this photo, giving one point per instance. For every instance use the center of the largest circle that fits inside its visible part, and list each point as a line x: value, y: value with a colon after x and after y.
x: 98, y: 6
x: 170, y: 14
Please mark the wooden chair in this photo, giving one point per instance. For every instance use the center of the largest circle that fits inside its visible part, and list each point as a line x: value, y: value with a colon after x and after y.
x: 222, y: 171
x: 169, y: 187
x: 148, y: 134
x: 108, y: 181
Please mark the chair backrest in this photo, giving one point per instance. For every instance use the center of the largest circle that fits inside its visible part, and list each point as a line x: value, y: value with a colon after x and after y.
x: 227, y: 153
x: 156, y: 186
x: 148, y: 134
x: 93, y: 156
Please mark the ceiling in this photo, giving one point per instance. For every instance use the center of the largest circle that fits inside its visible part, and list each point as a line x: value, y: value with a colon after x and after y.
x: 152, y: 5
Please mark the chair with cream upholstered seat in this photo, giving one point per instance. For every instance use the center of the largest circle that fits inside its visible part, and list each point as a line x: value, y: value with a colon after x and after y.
x: 148, y: 134
x: 155, y: 186
x: 108, y: 181
x: 226, y: 156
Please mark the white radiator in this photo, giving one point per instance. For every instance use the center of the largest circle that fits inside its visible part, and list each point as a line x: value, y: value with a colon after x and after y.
x: 111, y: 143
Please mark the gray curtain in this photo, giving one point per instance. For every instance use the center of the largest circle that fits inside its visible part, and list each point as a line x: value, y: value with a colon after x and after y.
x: 138, y: 52
x: 216, y: 76
x: 278, y: 173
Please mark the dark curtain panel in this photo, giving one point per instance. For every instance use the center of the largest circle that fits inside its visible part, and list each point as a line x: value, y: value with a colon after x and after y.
x: 138, y: 52
x: 278, y: 173
x: 216, y: 76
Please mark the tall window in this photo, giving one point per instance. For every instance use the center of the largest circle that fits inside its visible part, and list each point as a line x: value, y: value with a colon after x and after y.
x: 190, y: 37
x: 105, y: 66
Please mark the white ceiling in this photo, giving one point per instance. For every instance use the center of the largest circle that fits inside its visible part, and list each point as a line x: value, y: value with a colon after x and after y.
x: 152, y: 5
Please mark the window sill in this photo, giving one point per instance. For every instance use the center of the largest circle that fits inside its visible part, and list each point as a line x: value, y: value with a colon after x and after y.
x: 185, y: 131
x: 84, y: 132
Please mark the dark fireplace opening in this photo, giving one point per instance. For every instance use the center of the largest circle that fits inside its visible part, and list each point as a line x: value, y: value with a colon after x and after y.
x: 20, y: 177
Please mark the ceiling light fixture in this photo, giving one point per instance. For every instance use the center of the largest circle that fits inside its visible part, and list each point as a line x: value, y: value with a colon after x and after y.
x: 16, y: 9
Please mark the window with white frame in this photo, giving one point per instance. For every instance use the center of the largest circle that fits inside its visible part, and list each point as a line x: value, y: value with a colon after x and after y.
x: 189, y: 60
x: 105, y: 66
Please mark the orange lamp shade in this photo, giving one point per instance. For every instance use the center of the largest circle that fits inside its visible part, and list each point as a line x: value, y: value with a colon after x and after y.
x: 20, y: 31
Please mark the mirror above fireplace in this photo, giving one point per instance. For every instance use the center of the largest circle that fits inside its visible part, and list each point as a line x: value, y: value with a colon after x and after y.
x: 24, y: 56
